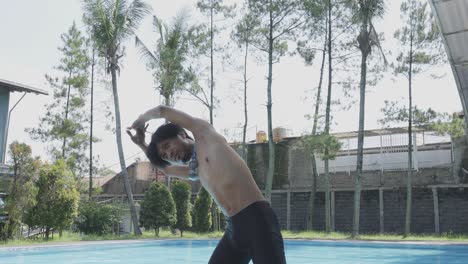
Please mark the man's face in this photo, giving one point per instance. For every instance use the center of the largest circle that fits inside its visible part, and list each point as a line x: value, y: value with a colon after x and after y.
x: 176, y: 150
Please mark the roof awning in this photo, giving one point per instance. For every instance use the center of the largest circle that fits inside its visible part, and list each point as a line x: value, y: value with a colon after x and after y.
x: 452, y: 18
x: 16, y: 87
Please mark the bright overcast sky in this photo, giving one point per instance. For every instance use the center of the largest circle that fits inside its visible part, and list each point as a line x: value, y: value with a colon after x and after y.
x: 31, y: 32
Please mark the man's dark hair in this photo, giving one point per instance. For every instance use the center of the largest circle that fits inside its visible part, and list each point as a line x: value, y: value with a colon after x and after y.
x: 166, y: 131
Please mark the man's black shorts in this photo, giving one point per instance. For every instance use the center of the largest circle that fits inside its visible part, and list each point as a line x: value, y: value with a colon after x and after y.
x: 252, y: 234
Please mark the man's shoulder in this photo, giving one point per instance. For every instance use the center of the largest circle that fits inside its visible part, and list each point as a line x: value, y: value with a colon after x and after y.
x: 202, y: 128
x: 206, y: 131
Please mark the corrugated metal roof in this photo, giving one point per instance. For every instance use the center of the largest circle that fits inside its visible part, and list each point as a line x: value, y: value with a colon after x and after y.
x: 452, y: 17
x: 16, y: 87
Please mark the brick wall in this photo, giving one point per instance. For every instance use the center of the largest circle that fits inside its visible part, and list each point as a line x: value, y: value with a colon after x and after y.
x: 279, y: 204
x: 453, y: 210
x: 423, y: 211
x: 369, y: 213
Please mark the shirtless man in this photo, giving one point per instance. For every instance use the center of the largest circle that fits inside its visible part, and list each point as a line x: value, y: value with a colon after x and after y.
x: 252, y: 230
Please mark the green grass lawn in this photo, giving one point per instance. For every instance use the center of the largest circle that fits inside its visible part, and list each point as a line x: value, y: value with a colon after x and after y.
x: 166, y: 234
x: 378, y: 237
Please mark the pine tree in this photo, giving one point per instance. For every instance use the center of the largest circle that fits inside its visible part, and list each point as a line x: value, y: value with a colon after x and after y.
x: 63, y: 125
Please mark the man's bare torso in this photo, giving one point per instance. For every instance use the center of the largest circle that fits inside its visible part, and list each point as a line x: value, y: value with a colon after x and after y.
x: 223, y: 173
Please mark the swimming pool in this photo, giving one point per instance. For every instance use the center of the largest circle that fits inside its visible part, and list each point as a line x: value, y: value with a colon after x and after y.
x: 199, y: 251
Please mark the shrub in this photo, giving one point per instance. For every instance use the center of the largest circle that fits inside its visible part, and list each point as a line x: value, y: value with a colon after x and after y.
x: 99, y: 219
x: 181, y: 193
x: 202, y: 212
x: 157, y: 208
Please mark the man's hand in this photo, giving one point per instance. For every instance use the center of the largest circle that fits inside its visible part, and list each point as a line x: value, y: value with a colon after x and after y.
x: 139, y: 137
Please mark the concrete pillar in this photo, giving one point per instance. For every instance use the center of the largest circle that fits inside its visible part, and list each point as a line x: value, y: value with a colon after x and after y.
x: 288, y: 210
x: 349, y: 155
x: 435, y: 196
x: 4, y: 108
x: 381, y: 155
x: 415, y: 153
x: 332, y: 211
x: 381, y: 210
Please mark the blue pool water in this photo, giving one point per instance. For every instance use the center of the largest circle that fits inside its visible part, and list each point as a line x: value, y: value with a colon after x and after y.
x: 199, y: 251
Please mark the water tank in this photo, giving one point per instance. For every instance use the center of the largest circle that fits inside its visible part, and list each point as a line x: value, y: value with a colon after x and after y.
x: 279, y: 133
x: 261, y: 137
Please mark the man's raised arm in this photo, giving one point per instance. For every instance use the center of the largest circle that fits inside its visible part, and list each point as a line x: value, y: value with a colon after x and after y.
x: 170, y: 114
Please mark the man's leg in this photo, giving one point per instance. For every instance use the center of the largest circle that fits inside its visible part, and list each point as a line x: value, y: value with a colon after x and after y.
x: 260, y: 229
x: 268, y: 248
x: 226, y: 253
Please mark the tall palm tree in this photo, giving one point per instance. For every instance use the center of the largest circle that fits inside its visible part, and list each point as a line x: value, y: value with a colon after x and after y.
x: 114, y: 21
x: 169, y: 58
x: 364, y: 12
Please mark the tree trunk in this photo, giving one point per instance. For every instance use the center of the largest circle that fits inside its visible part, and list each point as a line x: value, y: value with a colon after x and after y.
x: 214, y: 207
x: 214, y: 213
x: 271, y: 144
x: 360, y: 153
x: 327, y: 125
x: 409, y: 178
x: 91, y: 130
x: 47, y: 233
x: 244, y: 131
x: 364, y: 46
x: 66, y: 115
x: 167, y: 102
x: 211, y: 63
x: 123, y: 167
x: 314, y: 132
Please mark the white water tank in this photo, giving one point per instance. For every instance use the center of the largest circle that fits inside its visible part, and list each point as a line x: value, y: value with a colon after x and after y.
x: 279, y: 133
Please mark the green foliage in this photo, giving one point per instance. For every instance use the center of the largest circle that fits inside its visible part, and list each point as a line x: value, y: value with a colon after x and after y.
x: 64, y: 124
x: 441, y: 123
x: 452, y: 125
x: 420, y: 39
x: 319, y: 143
x: 202, y: 212
x: 168, y: 61
x: 243, y: 33
x: 57, y: 198
x: 98, y: 218
x: 393, y: 113
x: 181, y: 192
x: 22, y: 191
x: 157, y: 208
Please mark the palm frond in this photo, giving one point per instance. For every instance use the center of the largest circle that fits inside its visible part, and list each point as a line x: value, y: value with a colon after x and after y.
x: 375, y: 39
x: 158, y: 24
x: 144, y: 51
x: 137, y: 10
